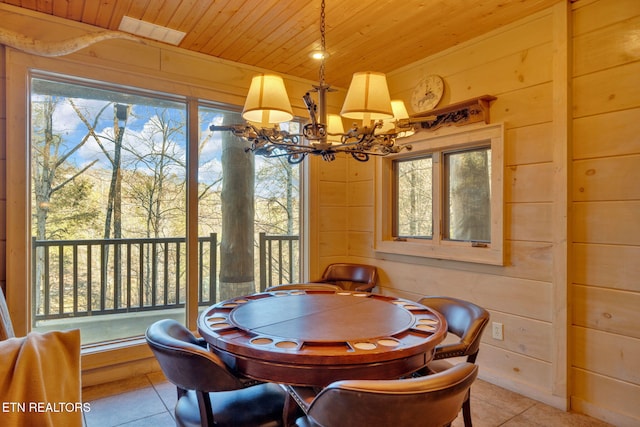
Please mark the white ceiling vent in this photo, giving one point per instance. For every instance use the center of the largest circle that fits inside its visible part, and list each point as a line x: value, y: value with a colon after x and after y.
x: 151, y: 31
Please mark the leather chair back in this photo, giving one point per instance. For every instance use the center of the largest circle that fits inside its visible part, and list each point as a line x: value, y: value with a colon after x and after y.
x: 185, y: 360
x: 465, y: 320
x: 304, y: 287
x: 210, y: 394
x: 433, y: 400
x: 358, y: 277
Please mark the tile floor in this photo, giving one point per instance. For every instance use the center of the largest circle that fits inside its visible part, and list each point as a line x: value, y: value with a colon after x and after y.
x: 149, y: 401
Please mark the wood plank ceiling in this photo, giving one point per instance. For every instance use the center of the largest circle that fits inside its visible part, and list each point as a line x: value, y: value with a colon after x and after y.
x: 279, y: 35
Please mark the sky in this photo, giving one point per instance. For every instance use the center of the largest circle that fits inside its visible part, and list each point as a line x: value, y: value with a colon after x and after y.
x: 141, y: 137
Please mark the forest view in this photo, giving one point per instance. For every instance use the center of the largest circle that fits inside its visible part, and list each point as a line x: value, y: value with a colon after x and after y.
x: 109, y: 168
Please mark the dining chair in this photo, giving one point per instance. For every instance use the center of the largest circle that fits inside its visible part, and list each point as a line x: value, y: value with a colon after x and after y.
x: 304, y: 287
x: 352, y: 277
x: 466, y: 321
x: 428, y: 401
x: 209, y: 393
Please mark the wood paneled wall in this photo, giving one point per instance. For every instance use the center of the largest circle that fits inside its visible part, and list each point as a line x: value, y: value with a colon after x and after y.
x: 605, y: 293
x: 329, y: 222
x: 515, y: 64
x: 569, y: 293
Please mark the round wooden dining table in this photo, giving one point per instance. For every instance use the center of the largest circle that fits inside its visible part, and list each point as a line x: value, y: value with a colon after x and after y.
x: 315, y: 337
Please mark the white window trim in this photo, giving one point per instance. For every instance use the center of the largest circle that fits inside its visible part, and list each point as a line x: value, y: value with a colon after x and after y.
x: 435, y: 142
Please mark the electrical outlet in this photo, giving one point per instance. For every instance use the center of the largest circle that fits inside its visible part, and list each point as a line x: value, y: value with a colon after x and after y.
x: 497, y: 331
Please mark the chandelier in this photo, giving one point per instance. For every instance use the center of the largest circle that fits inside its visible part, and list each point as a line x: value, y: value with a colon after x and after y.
x: 367, y: 100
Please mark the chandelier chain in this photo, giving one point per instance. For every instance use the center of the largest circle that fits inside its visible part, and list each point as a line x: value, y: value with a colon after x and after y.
x: 322, y: 42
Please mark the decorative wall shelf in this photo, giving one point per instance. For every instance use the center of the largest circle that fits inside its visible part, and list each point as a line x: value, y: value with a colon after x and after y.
x: 458, y: 114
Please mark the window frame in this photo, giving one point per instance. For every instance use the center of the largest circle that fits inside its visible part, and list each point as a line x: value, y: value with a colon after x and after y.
x: 437, y: 143
x: 101, y: 360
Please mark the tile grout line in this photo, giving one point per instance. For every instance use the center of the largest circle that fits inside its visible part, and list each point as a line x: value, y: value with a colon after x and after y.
x: 169, y: 410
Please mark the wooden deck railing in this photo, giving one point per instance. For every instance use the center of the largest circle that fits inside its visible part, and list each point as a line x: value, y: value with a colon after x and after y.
x: 279, y: 257
x: 75, y: 278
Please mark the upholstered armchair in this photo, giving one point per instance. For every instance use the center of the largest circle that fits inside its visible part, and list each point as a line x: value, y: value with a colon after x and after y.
x: 209, y: 393
x: 429, y: 401
x: 466, y: 321
x: 353, y: 277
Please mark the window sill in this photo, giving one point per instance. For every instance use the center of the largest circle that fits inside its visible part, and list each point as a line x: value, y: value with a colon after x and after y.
x: 125, y: 359
x: 456, y: 251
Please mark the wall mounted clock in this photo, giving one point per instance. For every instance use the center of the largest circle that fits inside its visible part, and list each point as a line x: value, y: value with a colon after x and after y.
x: 427, y: 93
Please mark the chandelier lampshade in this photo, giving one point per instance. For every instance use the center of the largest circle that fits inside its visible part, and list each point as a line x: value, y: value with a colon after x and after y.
x: 267, y: 101
x: 335, y: 128
x: 399, y: 109
x: 368, y: 97
x: 399, y: 113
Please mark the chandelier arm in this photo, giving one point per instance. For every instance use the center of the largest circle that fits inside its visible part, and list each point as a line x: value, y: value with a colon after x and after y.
x: 311, y: 108
x: 352, y: 152
x: 294, y: 159
x: 279, y: 139
x: 361, y: 157
x: 273, y: 152
x: 291, y: 146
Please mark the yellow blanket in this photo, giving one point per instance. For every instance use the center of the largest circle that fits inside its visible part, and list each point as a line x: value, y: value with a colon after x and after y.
x: 40, y: 380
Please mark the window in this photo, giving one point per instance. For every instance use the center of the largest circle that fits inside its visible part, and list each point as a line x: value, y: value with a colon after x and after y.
x: 109, y: 247
x: 108, y: 207
x: 467, y: 195
x: 262, y: 198
x: 413, y: 197
x: 444, y: 198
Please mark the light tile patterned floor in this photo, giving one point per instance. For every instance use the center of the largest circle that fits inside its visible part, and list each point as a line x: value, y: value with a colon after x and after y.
x: 149, y: 401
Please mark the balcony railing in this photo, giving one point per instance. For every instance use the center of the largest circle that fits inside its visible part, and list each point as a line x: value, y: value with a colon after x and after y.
x: 76, y: 278
x: 277, y: 255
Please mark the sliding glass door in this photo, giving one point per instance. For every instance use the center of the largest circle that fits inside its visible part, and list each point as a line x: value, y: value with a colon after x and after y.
x: 108, y: 208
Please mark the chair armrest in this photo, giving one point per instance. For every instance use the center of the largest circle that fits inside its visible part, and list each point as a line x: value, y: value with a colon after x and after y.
x: 450, y: 350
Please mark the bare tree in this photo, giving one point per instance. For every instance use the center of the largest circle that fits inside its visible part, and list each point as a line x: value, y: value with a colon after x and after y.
x: 237, y: 274
x: 51, y: 171
x: 156, y: 153
x: 120, y: 114
x: 414, y: 197
x: 157, y: 181
x: 277, y: 201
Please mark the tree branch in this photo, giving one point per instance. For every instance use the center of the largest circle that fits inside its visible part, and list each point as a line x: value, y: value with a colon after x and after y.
x: 74, y: 176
